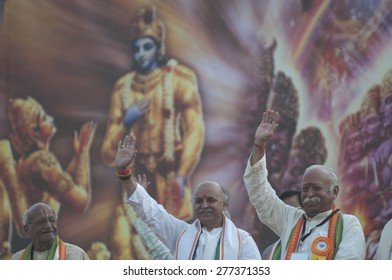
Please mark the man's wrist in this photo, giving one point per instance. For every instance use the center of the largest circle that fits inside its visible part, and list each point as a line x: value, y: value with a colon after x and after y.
x: 129, y: 185
x: 260, y: 146
x: 124, y: 175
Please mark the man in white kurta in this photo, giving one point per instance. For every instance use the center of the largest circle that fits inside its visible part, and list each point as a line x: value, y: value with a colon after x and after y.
x: 211, y: 237
x: 40, y: 224
x: 307, y: 233
x: 73, y: 252
x: 207, y: 244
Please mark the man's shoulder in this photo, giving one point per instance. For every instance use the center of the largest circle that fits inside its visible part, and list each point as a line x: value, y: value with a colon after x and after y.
x: 70, y: 246
x: 243, y: 233
x: 350, y: 220
x: 74, y: 252
x: 17, y: 255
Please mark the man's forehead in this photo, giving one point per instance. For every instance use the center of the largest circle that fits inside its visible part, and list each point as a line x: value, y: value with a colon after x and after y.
x: 41, y: 211
x: 208, y: 189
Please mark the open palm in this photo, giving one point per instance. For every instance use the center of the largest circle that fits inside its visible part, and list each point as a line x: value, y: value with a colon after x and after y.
x: 125, y: 152
x: 267, y: 127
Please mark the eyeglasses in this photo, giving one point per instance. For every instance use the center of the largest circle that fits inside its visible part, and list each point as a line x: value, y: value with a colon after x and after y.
x: 42, y: 222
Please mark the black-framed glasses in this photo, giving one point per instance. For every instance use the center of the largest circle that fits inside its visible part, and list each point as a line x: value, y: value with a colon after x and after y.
x: 51, y: 221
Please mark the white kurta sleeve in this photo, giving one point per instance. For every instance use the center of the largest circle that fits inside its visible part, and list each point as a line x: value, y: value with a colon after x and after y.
x: 165, y: 226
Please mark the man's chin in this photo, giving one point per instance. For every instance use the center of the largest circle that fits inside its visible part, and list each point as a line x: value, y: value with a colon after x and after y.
x: 311, y: 207
x: 48, y: 236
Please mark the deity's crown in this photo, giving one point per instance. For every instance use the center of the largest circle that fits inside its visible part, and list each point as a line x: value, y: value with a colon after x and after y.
x: 146, y: 23
x: 309, y: 144
x: 386, y: 84
x: 285, y: 97
x: 23, y: 113
x: 350, y: 123
x: 371, y: 101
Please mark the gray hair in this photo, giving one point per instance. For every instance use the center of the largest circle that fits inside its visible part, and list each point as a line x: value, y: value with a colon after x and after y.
x: 27, y: 213
x: 332, y: 177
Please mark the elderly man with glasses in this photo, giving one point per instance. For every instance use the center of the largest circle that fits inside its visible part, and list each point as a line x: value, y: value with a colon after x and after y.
x: 40, y: 224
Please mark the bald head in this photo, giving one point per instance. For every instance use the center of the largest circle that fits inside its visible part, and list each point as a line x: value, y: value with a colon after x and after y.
x: 212, y: 184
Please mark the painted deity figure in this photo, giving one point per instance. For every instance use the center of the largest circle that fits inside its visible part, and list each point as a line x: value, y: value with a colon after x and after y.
x: 351, y: 160
x: 37, y: 176
x: 159, y: 102
x: 372, y: 193
x: 382, y: 156
x: 369, y: 187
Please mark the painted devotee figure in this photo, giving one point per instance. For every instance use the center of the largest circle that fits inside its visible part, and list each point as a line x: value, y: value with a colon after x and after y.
x: 160, y: 103
x: 37, y: 176
x: 308, y: 149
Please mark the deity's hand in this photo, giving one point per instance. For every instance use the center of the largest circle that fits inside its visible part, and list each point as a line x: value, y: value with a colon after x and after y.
x: 143, y: 105
x: 135, y: 111
x: 267, y: 126
x: 125, y: 152
x: 142, y: 180
x: 84, y: 138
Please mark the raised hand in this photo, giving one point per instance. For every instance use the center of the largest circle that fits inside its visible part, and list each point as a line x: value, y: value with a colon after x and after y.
x: 267, y: 127
x: 84, y: 138
x: 264, y: 133
x: 142, y: 180
x: 125, y: 152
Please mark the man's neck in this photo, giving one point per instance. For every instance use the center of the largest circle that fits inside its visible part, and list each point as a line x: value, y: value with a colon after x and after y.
x: 42, y: 246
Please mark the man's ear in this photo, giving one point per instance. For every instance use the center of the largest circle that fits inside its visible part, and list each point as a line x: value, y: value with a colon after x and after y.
x: 26, y: 229
x: 335, y: 192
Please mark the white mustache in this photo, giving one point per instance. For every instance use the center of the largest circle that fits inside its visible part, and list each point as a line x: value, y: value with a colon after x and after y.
x: 205, y: 210
x: 311, y: 199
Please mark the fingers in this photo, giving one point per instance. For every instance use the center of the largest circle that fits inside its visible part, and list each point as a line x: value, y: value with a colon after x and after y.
x: 128, y: 142
x: 270, y: 116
